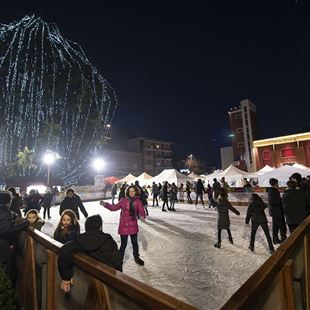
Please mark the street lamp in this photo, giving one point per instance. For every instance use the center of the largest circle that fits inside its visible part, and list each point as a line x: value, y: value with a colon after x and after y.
x: 49, y: 158
x: 98, y: 164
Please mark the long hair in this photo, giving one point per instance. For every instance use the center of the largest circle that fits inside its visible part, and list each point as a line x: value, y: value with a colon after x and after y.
x: 33, y: 211
x: 74, y: 223
x: 132, y: 210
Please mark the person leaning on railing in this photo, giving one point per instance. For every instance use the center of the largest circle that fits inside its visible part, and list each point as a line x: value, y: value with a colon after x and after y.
x: 94, y: 243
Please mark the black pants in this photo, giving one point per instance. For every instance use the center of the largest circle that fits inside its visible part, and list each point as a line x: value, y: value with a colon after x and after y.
x: 201, y: 198
x: 113, y: 198
x: 155, y: 199
x: 46, y: 209
x: 134, y: 242
x: 278, y: 224
x: 266, y: 231
x: 165, y: 204
x: 189, y: 199
x: 292, y: 227
x: 219, y: 235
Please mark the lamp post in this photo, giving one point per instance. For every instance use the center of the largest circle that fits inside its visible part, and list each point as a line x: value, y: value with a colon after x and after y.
x: 49, y: 158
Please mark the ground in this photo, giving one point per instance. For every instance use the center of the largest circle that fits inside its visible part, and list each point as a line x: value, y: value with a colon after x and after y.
x: 179, y: 255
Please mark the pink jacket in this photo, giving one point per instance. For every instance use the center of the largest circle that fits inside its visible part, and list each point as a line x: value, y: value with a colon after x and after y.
x: 128, y: 225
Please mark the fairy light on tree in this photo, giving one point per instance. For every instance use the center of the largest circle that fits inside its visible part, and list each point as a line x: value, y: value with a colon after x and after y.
x: 51, y: 97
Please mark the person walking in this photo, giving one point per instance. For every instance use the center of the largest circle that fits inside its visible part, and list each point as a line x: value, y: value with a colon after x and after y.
x: 210, y: 195
x: 188, y: 192
x: 181, y: 192
x: 122, y: 191
x: 114, y: 192
x: 17, y: 202
x: 276, y: 212
x: 131, y: 207
x: 155, y: 193
x: 199, y: 190
x: 47, y: 203
x: 173, y: 196
x: 216, y: 187
x: 256, y: 213
x: 165, y: 196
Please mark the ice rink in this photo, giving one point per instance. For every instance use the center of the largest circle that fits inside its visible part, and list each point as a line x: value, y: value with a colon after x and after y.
x: 179, y: 255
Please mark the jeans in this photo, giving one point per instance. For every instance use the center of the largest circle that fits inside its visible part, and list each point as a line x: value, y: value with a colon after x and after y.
x: 113, y: 197
x: 134, y: 242
x: 48, y: 212
x: 278, y: 224
x: 201, y: 198
x: 189, y: 199
x: 219, y: 233
x: 155, y: 199
x: 266, y: 231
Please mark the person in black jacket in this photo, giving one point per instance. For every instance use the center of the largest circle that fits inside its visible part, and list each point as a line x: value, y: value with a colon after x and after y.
x: 188, y: 192
x: 8, y: 233
x: 113, y: 192
x: 165, y: 197
x: 256, y: 213
x: 17, y: 202
x: 276, y: 212
x: 94, y: 243
x: 47, y: 203
x: 72, y: 202
x: 122, y: 191
x: 305, y: 187
x: 199, y: 190
x: 294, y: 206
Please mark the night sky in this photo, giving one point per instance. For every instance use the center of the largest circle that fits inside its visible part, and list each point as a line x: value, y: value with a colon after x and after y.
x: 178, y: 66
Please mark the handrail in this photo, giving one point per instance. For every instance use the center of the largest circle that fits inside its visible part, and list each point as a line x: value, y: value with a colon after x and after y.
x: 248, y: 295
x: 148, y: 297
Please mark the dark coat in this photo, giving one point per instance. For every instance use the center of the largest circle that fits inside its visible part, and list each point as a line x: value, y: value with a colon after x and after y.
x: 73, y: 232
x: 121, y: 194
x: 33, y: 202
x: 216, y: 188
x: 74, y: 204
x: 199, y: 188
x: 38, y: 224
x: 188, y: 189
x: 275, y: 202
x: 96, y: 244
x: 17, y: 202
x: 47, y: 200
x: 222, y: 207
x: 294, y: 206
x: 256, y: 212
x: 165, y: 193
x: 114, y: 190
x: 8, y: 232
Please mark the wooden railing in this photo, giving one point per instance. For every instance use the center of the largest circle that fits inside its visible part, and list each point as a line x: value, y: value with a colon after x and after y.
x: 283, y: 281
x: 96, y: 286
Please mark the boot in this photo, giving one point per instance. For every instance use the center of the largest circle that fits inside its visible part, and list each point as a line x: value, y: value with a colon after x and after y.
x: 164, y: 210
x: 139, y: 261
x: 217, y: 245
x: 251, y: 247
x: 271, y: 250
x: 231, y: 240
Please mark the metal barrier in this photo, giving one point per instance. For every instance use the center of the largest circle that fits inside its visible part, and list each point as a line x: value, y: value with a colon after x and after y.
x: 96, y: 286
x: 283, y: 281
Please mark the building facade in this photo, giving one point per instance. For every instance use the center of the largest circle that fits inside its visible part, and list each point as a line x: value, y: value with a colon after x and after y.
x: 227, y: 157
x: 284, y: 150
x: 156, y: 155
x: 243, y: 124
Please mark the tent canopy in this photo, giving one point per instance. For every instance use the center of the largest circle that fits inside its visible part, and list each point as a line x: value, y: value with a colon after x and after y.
x: 282, y: 174
x: 127, y: 178
x: 265, y: 169
x: 296, y: 165
x: 172, y: 176
x: 195, y: 176
x: 144, y: 179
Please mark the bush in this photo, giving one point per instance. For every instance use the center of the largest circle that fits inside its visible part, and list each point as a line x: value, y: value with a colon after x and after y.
x: 8, y: 298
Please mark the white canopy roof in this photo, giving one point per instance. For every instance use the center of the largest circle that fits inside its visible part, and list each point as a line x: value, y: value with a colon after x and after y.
x: 195, y: 176
x: 172, y: 176
x: 282, y: 174
x: 144, y: 179
x: 265, y: 169
x: 296, y: 165
x: 127, y: 178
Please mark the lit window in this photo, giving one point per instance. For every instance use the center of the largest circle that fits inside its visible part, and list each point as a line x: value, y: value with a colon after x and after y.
x: 157, y: 146
x: 266, y: 155
x: 288, y: 152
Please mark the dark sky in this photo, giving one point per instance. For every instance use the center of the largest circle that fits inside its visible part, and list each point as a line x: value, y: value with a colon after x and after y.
x: 178, y: 66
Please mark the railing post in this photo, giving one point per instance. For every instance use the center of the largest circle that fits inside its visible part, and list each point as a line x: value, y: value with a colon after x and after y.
x: 51, y: 281
x: 288, y: 284
x: 307, y: 269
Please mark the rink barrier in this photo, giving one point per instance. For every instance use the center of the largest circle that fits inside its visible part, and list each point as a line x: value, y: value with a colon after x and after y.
x: 96, y: 286
x: 283, y: 281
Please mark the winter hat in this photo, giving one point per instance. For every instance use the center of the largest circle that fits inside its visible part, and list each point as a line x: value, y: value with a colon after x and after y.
x: 5, y: 197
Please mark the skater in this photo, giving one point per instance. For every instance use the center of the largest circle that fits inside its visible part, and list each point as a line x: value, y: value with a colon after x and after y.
x: 113, y: 192
x: 210, y: 195
x: 68, y: 227
x: 122, y: 191
x: 145, y: 204
x: 223, y: 206
x: 33, y: 201
x: 17, y: 202
x: 55, y: 193
x: 95, y: 243
x: 35, y: 220
x: 160, y: 188
x: 142, y: 196
x: 224, y: 185
x: 155, y: 193
x: 165, y: 197
x: 199, y: 190
x: 131, y: 207
x: 294, y: 206
x: 181, y: 192
x: 188, y: 192
x: 47, y: 203
x: 256, y: 212
x: 303, y: 185
x: 172, y: 196
x: 73, y: 202
x: 276, y: 212
x: 216, y: 187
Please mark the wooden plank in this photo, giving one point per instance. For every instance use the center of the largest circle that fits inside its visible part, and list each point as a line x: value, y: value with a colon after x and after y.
x: 307, y: 269
x: 288, y: 284
x: 51, y: 281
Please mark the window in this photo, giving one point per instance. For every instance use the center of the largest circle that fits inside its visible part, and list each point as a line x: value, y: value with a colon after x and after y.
x: 266, y: 155
x: 238, y: 116
x: 157, y: 146
x: 288, y: 152
x: 240, y: 144
x: 239, y: 130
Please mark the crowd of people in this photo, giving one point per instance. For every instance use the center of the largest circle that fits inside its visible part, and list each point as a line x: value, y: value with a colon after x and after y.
x: 286, y: 211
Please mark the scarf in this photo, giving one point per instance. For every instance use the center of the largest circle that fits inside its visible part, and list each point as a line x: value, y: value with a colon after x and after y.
x: 132, y: 210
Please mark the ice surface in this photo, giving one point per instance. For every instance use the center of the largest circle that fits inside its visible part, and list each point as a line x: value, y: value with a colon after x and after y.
x: 179, y: 255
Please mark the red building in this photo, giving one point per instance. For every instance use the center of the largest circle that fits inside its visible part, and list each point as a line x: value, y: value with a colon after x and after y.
x: 285, y: 150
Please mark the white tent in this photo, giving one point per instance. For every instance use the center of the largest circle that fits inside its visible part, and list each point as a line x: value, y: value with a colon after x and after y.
x: 233, y: 176
x: 195, y: 176
x: 172, y: 176
x: 296, y: 165
x: 144, y: 179
x: 209, y: 177
x: 265, y: 170
x: 282, y: 174
x: 127, y: 178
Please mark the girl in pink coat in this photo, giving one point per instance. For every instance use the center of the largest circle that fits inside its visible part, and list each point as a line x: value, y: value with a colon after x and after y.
x: 131, y: 207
